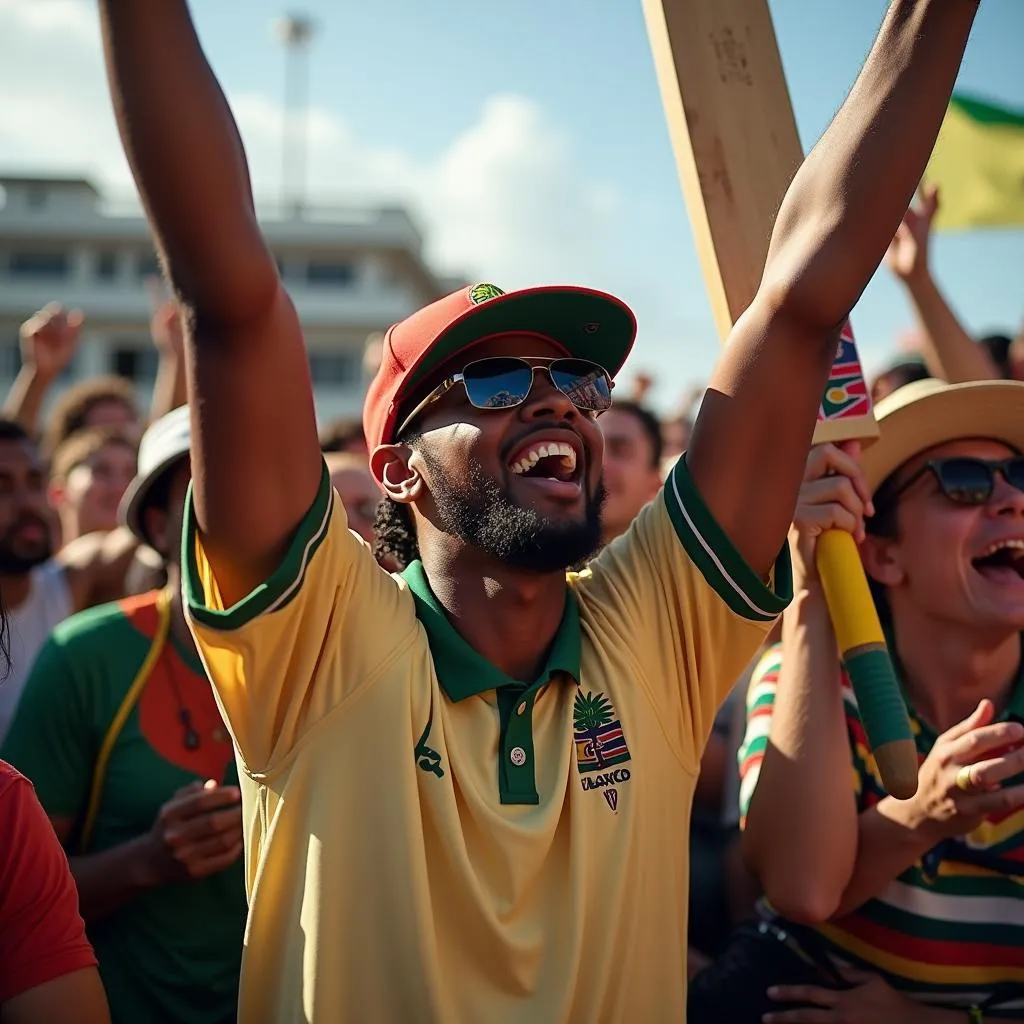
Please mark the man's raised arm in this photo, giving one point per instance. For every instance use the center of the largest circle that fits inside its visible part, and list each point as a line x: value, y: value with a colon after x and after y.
x: 256, y: 458
x: 752, y: 435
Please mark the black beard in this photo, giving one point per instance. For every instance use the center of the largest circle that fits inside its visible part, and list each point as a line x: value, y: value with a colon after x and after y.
x: 14, y: 564
x: 481, y: 513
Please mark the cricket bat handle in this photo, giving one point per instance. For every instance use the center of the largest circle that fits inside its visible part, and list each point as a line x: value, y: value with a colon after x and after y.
x: 866, y: 659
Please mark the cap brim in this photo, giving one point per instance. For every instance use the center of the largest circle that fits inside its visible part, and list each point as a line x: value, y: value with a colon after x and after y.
x: 136, y: 495
x: 585, y: 323
x: 925, y: 414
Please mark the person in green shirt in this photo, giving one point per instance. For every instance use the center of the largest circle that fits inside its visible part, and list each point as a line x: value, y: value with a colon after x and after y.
x: 119, y: 731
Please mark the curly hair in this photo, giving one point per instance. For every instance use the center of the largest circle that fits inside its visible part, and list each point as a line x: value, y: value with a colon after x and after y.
x: 71, y: 411
x: 394, y: 534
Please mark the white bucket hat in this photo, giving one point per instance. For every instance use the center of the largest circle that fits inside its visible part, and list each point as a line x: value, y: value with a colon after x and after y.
x: 163, y: 444
x: 926, y: 413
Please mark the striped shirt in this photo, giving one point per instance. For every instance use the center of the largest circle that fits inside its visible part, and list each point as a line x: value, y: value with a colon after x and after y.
x: 950, y: 929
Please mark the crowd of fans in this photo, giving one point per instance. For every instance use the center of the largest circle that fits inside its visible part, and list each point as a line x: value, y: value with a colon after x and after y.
x: 124, y: 771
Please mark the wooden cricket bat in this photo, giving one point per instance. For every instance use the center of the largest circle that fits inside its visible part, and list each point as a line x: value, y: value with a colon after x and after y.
x: 737, y: 149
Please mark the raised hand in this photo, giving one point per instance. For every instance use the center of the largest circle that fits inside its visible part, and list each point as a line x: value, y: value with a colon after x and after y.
x: 49, y: 340
x: 961, y: 781
x: 166, y: 329
x: 834, y: 495
x: 907, y: 255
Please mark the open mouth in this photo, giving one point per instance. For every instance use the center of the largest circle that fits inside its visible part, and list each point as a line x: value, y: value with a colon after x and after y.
x: 555, y: 465
x: 1002, y: 561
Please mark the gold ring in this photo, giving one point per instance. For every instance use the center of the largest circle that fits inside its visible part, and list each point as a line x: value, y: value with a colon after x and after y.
x: 964, y: 782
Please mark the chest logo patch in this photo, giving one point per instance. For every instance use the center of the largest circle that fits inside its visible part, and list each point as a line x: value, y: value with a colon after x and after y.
x: 597, y: 732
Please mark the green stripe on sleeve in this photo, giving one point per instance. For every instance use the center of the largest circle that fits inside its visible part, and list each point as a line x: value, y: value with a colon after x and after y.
x: 722, y: 566
x: 282, y: 585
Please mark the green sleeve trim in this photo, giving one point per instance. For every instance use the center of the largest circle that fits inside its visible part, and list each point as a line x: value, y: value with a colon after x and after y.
x: 283, y: 585
x: 721, y: 565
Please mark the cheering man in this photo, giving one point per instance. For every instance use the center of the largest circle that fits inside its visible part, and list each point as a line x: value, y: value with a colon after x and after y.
x: 467, y: 787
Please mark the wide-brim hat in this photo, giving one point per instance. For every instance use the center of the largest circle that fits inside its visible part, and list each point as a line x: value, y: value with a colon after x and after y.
x: 927, y: 413
x: 163, y: 445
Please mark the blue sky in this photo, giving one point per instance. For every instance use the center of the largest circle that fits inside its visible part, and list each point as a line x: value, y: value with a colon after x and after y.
x: 529, y: 138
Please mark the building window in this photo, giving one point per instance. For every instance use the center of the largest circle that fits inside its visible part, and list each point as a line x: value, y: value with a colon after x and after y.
x: 335, y: 368
x: 10, y: 357
x: 337, y: 275
x: 148, y: 266
x: 50, y: 266
x: 134, y: 363
x: 106, y: 266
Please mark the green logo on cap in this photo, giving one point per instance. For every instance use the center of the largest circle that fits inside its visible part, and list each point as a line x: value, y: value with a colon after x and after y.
x: 483, y: 292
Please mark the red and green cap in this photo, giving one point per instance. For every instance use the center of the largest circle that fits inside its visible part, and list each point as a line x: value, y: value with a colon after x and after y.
x: 583, y: 323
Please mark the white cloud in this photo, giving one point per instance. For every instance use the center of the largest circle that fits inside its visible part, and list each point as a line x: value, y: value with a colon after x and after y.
x: 503, y: 200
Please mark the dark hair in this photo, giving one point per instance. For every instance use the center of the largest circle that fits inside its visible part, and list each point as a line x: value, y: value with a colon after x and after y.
x: 12, y: 430
x: 394, y: 534
x: 649, y: 424
x: 898, y: 374
x: 883, y: 524
x: 339, y: 434
x: 998, y: 347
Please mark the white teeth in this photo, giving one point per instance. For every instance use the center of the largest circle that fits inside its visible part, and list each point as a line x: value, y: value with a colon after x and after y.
x: 542, y: 451
x: 1016, y: 544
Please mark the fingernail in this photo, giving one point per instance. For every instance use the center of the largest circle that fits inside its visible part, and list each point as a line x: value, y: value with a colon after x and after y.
x: 870, y: 509
x: 773, y: 991
x: 210, y: 784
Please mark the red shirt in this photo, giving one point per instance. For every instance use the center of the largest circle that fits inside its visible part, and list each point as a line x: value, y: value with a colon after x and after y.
x: 42, y: 935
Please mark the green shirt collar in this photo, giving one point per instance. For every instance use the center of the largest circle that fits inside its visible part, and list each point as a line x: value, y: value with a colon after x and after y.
x: 461, y: 671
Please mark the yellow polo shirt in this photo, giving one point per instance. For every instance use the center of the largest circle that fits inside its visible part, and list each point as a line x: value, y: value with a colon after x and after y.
x: 429, y: 840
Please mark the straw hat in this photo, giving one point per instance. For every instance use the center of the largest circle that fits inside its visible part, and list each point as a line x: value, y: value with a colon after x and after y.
x: 926, y: 413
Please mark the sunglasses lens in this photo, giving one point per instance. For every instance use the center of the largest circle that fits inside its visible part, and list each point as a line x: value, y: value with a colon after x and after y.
x: 584, y: 383
x: 1015, y: 472
x: 965, y: 481
x: 497, y: 383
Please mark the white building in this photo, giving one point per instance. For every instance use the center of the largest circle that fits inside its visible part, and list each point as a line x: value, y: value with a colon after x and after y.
x: 351, y: 272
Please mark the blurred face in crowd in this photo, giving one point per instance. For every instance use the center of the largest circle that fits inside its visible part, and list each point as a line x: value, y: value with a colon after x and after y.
x: 958, y: 565
x: 351, y: 478
x: 87, y: 497
x: 675, y: 436
x: 165, y: 517
x: 25, y: 534
x: 112, y: 412
x: 631, y: 476
x: 470, y: 462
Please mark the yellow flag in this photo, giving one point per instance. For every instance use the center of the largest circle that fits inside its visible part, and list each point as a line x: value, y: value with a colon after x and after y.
x: 978, y: 164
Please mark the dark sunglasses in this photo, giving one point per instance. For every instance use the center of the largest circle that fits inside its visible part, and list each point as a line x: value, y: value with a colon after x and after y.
x: 502, y: 382
x: 966, y: 480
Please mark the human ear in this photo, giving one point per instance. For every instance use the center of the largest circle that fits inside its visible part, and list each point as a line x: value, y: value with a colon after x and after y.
x: 880, y: 556
x: 395, y: 475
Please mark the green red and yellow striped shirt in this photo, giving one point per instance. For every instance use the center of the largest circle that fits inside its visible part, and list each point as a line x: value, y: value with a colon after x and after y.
x: 950, y: 929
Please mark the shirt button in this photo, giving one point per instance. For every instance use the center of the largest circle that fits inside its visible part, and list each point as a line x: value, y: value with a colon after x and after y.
x: 521, y: 709
x: 518, y: 756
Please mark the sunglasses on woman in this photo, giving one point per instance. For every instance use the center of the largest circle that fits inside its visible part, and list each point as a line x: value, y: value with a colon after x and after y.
x: 503, y: 382
x: 965, y: 480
